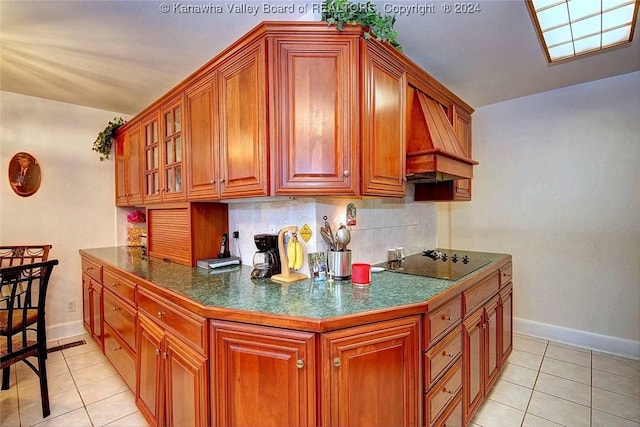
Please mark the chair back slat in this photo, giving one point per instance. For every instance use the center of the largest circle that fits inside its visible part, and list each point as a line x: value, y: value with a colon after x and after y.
x: 23, y: 254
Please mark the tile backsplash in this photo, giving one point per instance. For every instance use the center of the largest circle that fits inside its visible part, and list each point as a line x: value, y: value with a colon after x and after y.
x: 381, y: 224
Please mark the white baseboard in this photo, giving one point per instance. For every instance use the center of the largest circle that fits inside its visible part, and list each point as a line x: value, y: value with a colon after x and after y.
x: 603, y: 343
x: 65, y: 330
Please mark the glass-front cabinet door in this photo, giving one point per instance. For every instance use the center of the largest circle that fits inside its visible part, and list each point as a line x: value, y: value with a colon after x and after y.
x: 151, y: 133
x: 172, y: 144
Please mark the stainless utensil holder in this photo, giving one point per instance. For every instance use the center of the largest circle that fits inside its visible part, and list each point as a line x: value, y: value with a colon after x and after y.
x: 339, y: 263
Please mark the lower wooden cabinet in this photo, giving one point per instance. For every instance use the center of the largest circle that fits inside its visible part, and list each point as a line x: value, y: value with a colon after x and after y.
x: 262, y: 376
x: 172, y: 387
x: 371, y: 374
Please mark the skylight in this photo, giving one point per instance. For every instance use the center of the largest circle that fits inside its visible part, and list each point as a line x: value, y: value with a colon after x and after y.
x: 569, y: 28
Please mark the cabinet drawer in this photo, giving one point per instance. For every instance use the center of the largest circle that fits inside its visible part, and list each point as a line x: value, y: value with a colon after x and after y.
x: 442, y: 319
x: 119, y: 356
x: 92, y: 269
x: 442, y: 356
x: 121, y: 317
x: 120, y: 286
x: 189, y: 328
x: 477, y: 294
x: 443, y: 393
x: 506, y: 274
x: 454, y: 417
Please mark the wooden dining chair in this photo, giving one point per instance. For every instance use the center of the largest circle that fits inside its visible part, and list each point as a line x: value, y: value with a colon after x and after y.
x: 22, y: 326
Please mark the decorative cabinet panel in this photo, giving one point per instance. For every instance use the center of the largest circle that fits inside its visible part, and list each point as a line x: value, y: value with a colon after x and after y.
x: 128, y: 167
x: 314, y: 119
x: 371, y: 374
x: 383, y: 88
x: 278, y: 372
x: 242, y: 106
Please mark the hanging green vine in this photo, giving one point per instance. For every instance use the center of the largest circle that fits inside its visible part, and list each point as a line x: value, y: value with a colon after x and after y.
x: 105, y: 139
x: 341, y: 12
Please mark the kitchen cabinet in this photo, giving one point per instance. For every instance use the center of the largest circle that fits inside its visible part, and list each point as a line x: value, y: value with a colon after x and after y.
x: 383, y: 127
x: 481, y: 335
x: 128, y: 168
x: 242, y: 108
x: 314, y: 115
x: 171, y: 229
x: 277, y: 369
x: 120, y: 315
x: 172, y: 365
x: 92, y: 299
x: 163, y: 153
x: 202, y: 152
x: 371, y: 374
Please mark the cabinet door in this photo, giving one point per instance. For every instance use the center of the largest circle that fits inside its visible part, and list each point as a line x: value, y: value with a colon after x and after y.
x: 151, y: 148
x: 96, y: 313
x: 262, y: 376
x: 186, y: 391
x: 372, y: 375
x: 472, y: 357
x: 492, y: 350
x: 462, y: 128
x: 242, y: 103
x: 172, y: 152
x: 506, y: 322
x: 314, y: 118
x: 149, y: 381
x: 127, y: 161
x: 202, y: 141
x: 383, y: 134
x: 86, y: 302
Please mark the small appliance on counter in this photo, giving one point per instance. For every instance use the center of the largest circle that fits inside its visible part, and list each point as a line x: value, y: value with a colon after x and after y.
x: 266, y: 261
x: 224, y: 258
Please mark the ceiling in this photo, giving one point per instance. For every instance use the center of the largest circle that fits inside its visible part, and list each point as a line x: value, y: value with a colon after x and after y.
x: 122, y: 55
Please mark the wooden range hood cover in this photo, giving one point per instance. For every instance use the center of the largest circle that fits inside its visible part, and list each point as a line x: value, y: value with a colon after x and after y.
x: 434, y: 152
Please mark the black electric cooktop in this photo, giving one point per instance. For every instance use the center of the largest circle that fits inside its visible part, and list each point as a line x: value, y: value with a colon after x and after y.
x: 441, y: 264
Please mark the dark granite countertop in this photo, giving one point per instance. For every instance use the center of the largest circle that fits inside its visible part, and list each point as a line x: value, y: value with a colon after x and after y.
x: 231, y: 288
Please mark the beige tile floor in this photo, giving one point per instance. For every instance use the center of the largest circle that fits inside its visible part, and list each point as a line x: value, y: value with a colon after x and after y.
x: 544, y: 384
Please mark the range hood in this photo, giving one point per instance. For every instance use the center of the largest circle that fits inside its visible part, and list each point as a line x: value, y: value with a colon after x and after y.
x: 434, y: 152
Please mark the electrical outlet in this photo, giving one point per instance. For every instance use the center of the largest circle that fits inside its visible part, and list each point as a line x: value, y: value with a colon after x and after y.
x: 236, y: 234
x: 71, y: 306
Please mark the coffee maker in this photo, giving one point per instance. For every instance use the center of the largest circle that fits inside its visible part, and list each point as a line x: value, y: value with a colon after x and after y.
x: 266, y: 261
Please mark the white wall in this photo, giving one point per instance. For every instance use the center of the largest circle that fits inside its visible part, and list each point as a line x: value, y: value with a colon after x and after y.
x: 74, y: 207
x: 558, y: 187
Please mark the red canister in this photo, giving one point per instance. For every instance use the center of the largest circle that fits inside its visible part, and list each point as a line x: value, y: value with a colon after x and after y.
x: 361, y: 274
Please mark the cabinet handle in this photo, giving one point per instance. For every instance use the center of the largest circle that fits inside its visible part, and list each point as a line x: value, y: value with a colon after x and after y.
x: 161, y: 313
x: 213, y: 181
x: 444, y: 390
x: 444, y: 353
x: 222, y: 181
x: 117, y: 348
x: 157, y: 351
x: 449, y: 318
x: 114, y: 285
x: 115, y: 309
x: 337, y: 362
x: 300, y: 363
x: 165, y: 355
x: 346, y: 173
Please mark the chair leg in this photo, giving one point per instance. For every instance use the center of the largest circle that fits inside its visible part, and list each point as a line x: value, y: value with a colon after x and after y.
x: 6, y: 376
x: 44, y: 388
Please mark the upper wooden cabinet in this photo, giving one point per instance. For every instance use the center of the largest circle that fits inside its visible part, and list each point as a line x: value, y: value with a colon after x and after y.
x: 383, y: 88
x: 293, y: 109
x: 242, y: 106
x: 163, y: 144
x: 314, y: 121
x: 128, y: 182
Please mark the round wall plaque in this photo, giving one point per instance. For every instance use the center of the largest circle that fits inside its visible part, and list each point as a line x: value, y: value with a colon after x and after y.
x: 24, y: 174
